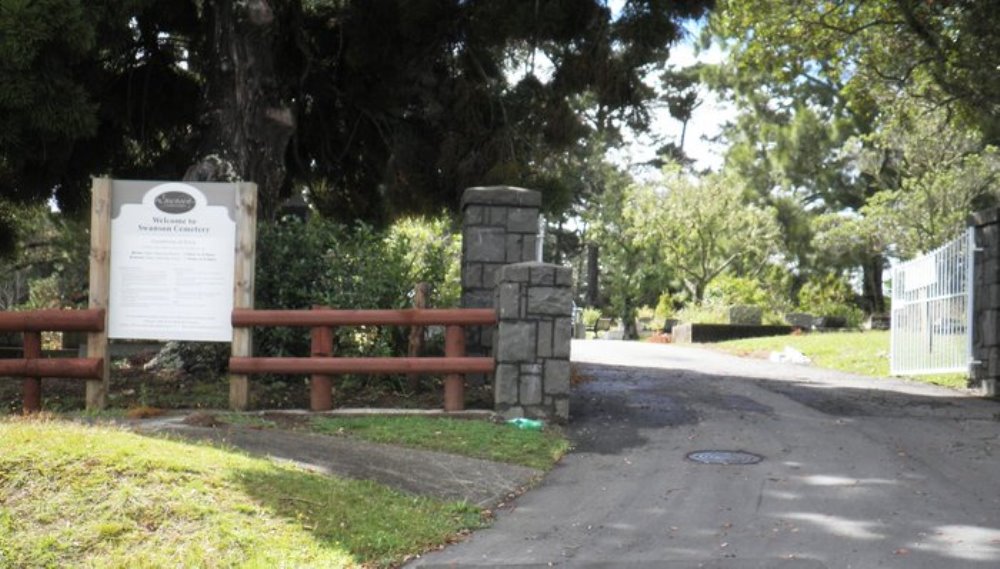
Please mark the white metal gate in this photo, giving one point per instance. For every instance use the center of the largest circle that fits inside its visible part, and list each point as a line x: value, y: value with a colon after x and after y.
x: 932, y: 311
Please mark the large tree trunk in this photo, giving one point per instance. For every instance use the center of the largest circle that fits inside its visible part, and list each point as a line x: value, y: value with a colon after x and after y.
x: 250, y: 122
x: 874, y: 298
x: 593, y: 275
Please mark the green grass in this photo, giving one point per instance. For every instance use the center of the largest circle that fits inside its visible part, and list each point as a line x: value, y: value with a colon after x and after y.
x: 863, y: 353
x: 467, y: 437
x: 79, y: 496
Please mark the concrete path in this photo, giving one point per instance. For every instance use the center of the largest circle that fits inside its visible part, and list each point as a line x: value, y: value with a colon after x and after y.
x: 425, y: 473
x: 856, y: 472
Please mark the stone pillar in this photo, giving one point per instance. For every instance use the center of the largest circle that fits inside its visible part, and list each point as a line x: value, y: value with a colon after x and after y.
x: 535, y: 310
x: 499, y: 227
x: 986, y: 302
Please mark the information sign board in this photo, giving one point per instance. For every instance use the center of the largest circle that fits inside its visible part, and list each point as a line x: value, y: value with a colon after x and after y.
x: 172, y: 258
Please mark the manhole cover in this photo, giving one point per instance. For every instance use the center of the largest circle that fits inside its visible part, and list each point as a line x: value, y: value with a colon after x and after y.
x: 724, y: 457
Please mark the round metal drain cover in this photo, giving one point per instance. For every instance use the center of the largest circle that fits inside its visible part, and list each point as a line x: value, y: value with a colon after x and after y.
x: 724, y: 457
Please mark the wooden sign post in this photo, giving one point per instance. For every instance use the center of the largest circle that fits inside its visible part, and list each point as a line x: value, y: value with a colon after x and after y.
x: 160, y: 257
x: 243, y: 287
x: 100, y: 281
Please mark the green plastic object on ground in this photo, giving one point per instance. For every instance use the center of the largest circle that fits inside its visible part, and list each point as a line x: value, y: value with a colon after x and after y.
x: 526, y: 424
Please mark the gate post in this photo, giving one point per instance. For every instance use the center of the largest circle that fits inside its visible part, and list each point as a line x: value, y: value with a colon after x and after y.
x: 532, y: 347
x: 499, y: 227
x: 985, y: 308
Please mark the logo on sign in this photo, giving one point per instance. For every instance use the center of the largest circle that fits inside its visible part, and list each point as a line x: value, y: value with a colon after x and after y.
x: 174, y: 202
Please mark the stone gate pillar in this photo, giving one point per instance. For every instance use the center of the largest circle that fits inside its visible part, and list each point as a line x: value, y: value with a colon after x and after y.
x: 499, y: 227
x: 986, y: 302
x: 532, y: 344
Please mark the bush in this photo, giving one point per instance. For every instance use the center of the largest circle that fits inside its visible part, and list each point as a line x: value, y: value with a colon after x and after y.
x: 830, y: 296
x: 728, y: 290
x: 664, y: 307
x: 433, y: 254
x: 318, y: 262
x: 709, y: 312
x: 590, y: 317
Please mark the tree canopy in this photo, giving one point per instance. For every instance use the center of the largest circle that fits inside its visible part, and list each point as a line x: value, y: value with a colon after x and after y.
x: 376, y: 107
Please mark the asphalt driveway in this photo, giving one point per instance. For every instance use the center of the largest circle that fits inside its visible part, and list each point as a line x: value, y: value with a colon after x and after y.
x: 855, y: 472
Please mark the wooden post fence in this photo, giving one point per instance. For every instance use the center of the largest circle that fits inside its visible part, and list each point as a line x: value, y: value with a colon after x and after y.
x: 321, y: 364
x: 32, y: 367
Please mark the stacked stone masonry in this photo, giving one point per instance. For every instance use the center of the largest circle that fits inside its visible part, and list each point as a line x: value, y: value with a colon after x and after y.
x: 986, y: 303
x: 532, y: 347
x: 499, y: 227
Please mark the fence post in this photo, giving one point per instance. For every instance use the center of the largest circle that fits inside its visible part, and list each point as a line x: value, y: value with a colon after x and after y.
x: 421, y: 296
x: 454, y: 383
x: 320, y: 385
x: 32, y: 386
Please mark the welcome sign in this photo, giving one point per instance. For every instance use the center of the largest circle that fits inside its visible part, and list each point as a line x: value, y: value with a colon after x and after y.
x: 172, y: 258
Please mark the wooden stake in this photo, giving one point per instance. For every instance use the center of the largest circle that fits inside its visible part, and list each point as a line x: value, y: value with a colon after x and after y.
x: 421, y: 294
x: 31, y: 387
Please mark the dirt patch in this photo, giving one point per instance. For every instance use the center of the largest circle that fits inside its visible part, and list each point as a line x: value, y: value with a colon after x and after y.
x: 202, y: 419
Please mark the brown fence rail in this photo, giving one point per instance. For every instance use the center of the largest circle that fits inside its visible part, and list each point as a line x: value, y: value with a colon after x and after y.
x: 321, y: 365
x: 32, y: 367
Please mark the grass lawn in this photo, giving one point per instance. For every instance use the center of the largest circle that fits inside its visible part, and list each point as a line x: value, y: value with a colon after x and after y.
x: 468, y: 437
x: 86, y: 496
x: 864, y: 353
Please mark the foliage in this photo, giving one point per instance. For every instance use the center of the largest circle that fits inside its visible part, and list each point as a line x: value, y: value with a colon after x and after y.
x: 730, y: 290
x: 704, y: 228
x: 167, y: 503
x: 319, y: 262
x: 629, y: 265
x: 645, y: 312
x: 943, y: 172
x: 664, y: 306
x: 706, y: 312
x: 433, y: 252
x: 830, y: 296
x: 378, y: 108
x: 878, y: 110
x: 590, y: 317
x: 48, y: 266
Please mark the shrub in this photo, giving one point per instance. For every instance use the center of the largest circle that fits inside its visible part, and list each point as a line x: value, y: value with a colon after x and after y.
x: 830, y: 295
x: 590, y: 317
x: 433, y: 253
x: 318, y: 262
x: 728, y: 290
x: 709, y: 312
x: 664, y: 306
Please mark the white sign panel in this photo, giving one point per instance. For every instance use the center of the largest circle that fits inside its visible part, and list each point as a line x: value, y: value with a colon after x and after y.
x: 172, y: 256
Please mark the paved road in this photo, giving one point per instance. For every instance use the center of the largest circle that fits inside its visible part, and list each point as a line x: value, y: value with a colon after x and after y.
x: 857, y: 473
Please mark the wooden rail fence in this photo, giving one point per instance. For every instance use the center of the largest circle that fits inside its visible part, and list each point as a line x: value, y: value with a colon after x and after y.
x: 31, y: 366
x: 321, y: 365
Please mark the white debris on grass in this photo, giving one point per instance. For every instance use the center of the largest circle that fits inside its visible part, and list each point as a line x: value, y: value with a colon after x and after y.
x: 789, y: 355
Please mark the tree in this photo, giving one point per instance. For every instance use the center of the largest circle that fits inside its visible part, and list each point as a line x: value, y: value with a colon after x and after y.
x: 378, y: 108
x: 943, y: 173
x: 704, y: 228
x: 629, y: 265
